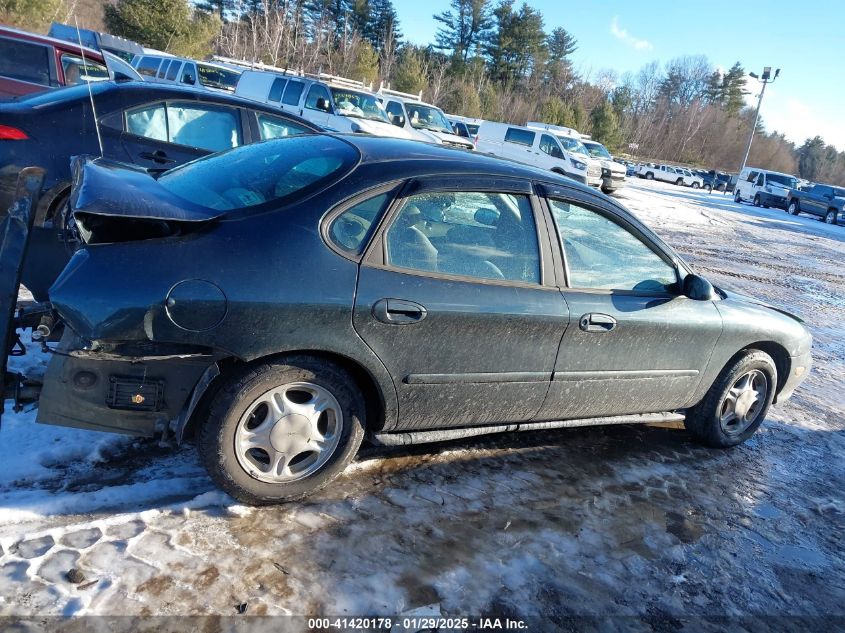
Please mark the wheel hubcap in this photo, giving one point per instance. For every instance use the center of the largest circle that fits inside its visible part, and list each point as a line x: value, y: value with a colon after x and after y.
x: 743, y: 402
x: 288, y: 432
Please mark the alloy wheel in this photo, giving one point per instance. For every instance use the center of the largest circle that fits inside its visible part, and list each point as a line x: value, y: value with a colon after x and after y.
x: 288, y: 432
x: 743, y: 403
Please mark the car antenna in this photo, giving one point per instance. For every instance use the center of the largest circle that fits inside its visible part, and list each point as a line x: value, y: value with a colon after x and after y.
x: 90, y: 92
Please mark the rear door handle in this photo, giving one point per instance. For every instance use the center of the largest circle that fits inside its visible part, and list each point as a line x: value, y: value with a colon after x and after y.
x: 157, y: 156
x: 398, y: 311
x: 597, y: 322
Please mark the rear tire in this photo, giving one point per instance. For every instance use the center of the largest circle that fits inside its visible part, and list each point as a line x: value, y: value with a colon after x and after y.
x: 793, y: 208
x: 303, y: 415
x: 695, y: 185
x: 737, y: 402
x: 830, y: 217
x: 708, y: 188
x: 649, y: 176
x: 757, y: 200
x: 737, y: 197
x: 679, y: 182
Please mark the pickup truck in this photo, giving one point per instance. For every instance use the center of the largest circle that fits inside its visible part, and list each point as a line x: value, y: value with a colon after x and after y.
x: 825, y: 201
x: 667, y: 173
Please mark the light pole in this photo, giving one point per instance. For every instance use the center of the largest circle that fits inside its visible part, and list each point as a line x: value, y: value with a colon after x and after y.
x: 766, y: 78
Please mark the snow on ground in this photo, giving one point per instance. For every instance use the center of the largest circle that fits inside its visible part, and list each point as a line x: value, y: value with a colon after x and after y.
x: 597, y: 521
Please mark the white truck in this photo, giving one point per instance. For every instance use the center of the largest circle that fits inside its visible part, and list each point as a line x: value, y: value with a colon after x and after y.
x: 423, y: 121
x: 612, y: 172
x: 668, y: 173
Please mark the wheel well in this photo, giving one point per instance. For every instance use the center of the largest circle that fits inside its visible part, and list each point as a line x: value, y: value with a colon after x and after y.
x: 373, y: 398
x: 778, y: 353
x: 834, y: 209
x: 558, y: 170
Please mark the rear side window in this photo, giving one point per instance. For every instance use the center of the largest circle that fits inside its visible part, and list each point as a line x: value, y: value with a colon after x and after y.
x: 520, y: 137
x: 351, y: 230
x: 148, y: 66
x: 212, y: 128
x: 293, y: 92
x: 25, y: 61
x: 251, y: 175
x: 164, y: 66
x: 173, y: 71
x: 276, y: 89
x: 270, y: 126
x: 149, y: 122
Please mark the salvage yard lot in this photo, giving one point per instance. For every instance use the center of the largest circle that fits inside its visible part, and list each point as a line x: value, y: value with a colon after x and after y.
x: 593, y: 521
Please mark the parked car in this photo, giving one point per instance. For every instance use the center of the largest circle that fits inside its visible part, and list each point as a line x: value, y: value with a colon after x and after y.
x: 536, y: 148
x: 423, y: 121
x: 688, y: 179
x: 169, y: 69
x: 333, y: 103
x: 612, y: 172
x: 154, y: 126
x: 466, y: 127
x: 764, y: 188
x: 713, y: 180
x: 33, y: 63
x: 825, y: 201
x: 283, y: 299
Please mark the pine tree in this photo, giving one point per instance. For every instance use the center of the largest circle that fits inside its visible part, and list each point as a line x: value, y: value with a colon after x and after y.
x: 733, y: 89
x: 605, y: 126
x: 561, y: 45
x: 409, y: 75
x: 464, y: 28
x: 170, y: 25
x: 518, y: 43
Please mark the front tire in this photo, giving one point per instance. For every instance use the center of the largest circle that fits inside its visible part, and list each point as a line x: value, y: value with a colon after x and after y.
x: 649, y: 176
x: 737, y: 402
x: 830, y: 217
x: 757, y: 200
x: 695, y: 185
x: 737, y: 197
x: 282, y: 430
x: 679, y: 182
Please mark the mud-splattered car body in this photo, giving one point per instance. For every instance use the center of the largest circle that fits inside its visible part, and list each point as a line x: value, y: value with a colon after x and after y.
x: 168, y: 295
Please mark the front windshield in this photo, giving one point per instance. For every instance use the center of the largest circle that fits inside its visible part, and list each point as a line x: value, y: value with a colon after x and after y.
x: 216, y: 77
x: 786, y: 181
x: 597, y: 150
x: 573, y: 145
x: 358, y: 104
x: 270, y: 171
x: 424, y: 117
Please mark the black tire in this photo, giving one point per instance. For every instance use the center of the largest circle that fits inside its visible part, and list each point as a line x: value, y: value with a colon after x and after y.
x: 793, y: 208
x: 830, y: 217
x: 757, y: 200
x: 649, y: 176
x: 703, y: 421
x: 708, y: 188
x: 737, y: 197
x: 680, y: 182
x: 695, y: 185
x: 216, y: 441
x: 607, y: 190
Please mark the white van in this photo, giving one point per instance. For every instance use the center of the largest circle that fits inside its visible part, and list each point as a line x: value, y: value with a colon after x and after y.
x: 536, y: 148
x: 424, y: 121
x: 764, y: 188
x: 168, y: 69
x: 465, y: 126
x: 334, y: 103
x: 612, y: 172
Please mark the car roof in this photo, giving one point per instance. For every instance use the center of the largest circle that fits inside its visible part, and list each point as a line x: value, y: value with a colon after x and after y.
x: 45, y: 39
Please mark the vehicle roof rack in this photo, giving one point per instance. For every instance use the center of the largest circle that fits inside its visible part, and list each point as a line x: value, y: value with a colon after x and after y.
x: 386, y: 90
x: 253, y: 65
x: 341, y: 81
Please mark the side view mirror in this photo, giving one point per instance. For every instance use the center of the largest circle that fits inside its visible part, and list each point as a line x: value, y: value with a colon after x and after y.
x: 698, y: 288
x: 323, y: 104
x: 398, y: 120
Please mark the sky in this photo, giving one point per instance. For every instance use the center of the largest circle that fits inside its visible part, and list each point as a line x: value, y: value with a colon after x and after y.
x: 805, y: 40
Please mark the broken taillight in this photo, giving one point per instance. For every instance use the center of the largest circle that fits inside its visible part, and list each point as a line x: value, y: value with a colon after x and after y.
x: 9, y: 133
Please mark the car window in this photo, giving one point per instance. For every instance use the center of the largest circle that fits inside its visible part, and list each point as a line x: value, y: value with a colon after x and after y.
x: 550, y: 146
x: 351, y: 229
x: 752, y: 176
x: 520, y: 137
x: 173, y: 71
x: 260, y: 173
x: 315, y: 93
x: 148, y: 121
x: 472, y: 234
x: 148, y: 66
x: 213, y: 128
x: 270, y: 126
x: 277, y: 89
x: 189, y: 74
x: 77, y: 71
x: 217, y: 77
x: 293, y: 92
x: 602, y: 254
x: 394, y: 108
x: 760, y: 180
x: 473, y: 129
x: 25, y: 61
x: 164, y: 66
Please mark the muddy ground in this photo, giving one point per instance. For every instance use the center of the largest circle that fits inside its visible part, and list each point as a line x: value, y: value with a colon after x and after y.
x: 615, y: 521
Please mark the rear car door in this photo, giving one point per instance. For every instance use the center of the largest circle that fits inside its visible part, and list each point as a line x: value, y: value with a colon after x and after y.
x: 456, y: 296
x: 816, y: 202
x: 635, y: 345
x: 162, y: 135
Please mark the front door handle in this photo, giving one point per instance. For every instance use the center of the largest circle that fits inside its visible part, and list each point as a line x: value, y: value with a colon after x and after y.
x: 597, y: 322
x: 398, y: 311
x: 157, y: 156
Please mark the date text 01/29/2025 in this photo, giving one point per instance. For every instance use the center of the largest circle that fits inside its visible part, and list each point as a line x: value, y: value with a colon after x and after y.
x: 416, y: 623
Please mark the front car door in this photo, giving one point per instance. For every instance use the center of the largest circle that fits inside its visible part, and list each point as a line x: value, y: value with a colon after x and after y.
x: 456, y: 296
x: 635, y: 345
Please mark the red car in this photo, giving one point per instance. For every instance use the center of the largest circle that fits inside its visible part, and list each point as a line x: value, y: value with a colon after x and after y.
x: 30, y: 63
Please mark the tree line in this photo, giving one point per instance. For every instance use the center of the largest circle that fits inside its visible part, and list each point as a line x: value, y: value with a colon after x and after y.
x: 492, y: 59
